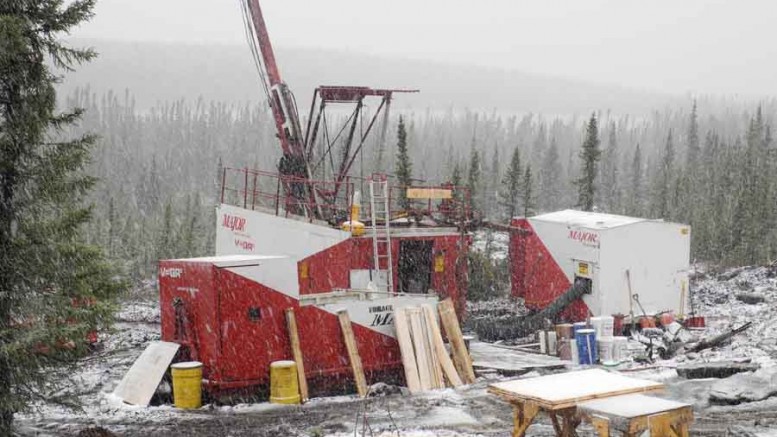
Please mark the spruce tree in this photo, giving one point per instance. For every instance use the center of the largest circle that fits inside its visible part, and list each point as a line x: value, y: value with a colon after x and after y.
x: 456, y: 182
x: 662, y: 200
x: 473, y: 178
x: 590, y: 155
x: 493, y: 185
x: 54, y: 288
x: 752, y: 217
x: 404, y: 168
x: 550, y: 177
x: 527, y: 194
x: 511, y: 185
x: 609, y: 177
x: 165, y: 241
x: 692, y: 154
x: 635, y: 189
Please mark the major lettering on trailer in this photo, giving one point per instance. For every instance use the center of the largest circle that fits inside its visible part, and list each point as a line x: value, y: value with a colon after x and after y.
x: 383, y: 315
x: 171, y: 272
x: 233, y: 222
x: 586, y: 237
x: 245, y: 245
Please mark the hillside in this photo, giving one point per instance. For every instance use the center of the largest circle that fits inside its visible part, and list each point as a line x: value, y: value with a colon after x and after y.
x: 155, y: 72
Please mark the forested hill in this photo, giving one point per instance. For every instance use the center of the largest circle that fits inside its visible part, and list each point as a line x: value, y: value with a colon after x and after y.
x: 157, y: 72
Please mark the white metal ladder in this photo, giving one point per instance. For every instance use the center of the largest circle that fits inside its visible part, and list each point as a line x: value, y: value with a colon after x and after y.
x: 381, y: 241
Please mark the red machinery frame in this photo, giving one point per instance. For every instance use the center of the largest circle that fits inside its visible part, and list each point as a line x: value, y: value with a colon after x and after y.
x: 296, y: 165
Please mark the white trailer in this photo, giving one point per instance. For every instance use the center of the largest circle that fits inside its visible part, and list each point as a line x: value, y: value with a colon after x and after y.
x: 554, y: 250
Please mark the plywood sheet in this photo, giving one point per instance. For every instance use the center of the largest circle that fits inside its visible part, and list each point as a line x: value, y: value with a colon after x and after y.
x: 422, y: 350
x: 406, y: 349
x: 566, y: 389
x: 141, y: 380
x: 630, y: 406
x: 439, y: 348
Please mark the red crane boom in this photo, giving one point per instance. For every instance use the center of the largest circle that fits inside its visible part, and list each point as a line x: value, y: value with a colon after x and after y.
x: 303, y: 196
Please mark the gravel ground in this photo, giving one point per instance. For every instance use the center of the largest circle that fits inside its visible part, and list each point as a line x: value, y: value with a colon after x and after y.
x: 468, y: 411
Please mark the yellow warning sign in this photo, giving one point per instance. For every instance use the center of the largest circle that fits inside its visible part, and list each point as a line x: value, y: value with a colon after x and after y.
x: 439, y: 263
x: 304, y: 270
x: 429, y: 193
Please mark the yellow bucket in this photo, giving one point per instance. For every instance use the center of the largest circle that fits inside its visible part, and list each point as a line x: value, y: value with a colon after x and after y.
x: 284, y: 385
x: 187, y: 384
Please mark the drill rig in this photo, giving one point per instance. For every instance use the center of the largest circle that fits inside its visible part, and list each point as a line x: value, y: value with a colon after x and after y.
x: 313, y: 153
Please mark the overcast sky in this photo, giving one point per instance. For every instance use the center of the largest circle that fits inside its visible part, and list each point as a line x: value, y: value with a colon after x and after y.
x: 677, y: 46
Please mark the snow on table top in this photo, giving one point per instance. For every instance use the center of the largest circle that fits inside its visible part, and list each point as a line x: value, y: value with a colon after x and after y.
x: 570, y: 387
x: 630, y: 406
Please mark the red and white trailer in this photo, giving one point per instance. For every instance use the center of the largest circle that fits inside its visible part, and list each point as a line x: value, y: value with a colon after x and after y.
x: 227, y: 311
x: 279, y: 245
x: 549, y: 252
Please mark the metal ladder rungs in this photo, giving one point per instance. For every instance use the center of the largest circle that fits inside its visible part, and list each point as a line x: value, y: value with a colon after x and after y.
x: 381, y: 245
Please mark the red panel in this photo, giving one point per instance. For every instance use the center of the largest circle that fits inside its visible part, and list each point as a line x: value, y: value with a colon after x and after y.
x: 535, y: 275
x: 237, y: 350
x: 328, y: 269
x: 250, y: 341
x: 193, y: 285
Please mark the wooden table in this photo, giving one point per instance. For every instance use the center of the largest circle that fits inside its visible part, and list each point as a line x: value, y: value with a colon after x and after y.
x: 633, y: 414
x: 559, y: 394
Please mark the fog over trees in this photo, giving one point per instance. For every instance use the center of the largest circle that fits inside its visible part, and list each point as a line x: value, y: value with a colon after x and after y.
x: 159, y: 168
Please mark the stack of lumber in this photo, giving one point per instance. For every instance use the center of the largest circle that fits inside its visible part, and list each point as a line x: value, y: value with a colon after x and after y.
x: 424, y: 356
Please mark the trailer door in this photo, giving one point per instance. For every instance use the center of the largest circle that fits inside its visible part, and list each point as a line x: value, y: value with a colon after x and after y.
x: 415, y: 266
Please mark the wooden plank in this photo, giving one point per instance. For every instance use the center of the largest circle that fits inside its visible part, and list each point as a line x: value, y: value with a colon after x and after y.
x: 461, y: 358
x: 141, y: 380
x: 679, y: 418
x: 353, y: 352
x: 406, y: 349
x: 523, y: 415
x: 429, y: 193
x: 421, y: 350
x: 437, y: 375
x: 601, y: 426
x: 449, y: 370
x: 296, y: 351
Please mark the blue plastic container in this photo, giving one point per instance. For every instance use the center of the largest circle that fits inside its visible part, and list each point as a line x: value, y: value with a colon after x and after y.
x: 586, y: 346
x: 578, y: 326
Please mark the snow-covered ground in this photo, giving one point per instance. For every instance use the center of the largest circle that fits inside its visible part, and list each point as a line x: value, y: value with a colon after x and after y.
x: 715, y: 297
x: 496, y: 243
x: 464, y: 412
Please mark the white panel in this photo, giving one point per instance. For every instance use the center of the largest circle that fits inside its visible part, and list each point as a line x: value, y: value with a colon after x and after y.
x: 242, y: 231
x: 141, y: 380
x: 378, y: 314
x: 278, y: 273
x: 360, y: 279
x: 657, y: 255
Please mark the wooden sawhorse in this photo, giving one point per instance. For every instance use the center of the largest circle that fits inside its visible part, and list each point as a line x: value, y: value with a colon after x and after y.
x: 558, y: 395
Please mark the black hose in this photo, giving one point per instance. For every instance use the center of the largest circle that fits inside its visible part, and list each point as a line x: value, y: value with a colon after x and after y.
x: 517, y: 327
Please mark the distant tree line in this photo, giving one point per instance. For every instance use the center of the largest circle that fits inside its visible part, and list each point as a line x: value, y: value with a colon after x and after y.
x: 160, y: 170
